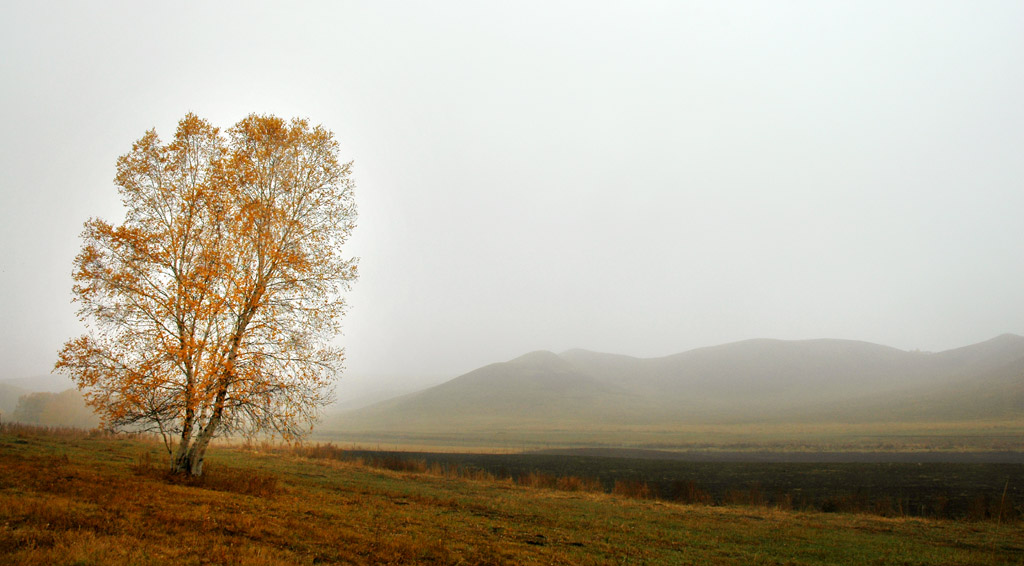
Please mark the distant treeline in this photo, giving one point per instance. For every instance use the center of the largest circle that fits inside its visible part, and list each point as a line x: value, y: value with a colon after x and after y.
x: 65, y: 409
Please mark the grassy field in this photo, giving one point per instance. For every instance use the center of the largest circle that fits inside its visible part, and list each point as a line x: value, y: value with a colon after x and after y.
x: 955, y: 437
x: 67, y: 497
x: 945, y: 490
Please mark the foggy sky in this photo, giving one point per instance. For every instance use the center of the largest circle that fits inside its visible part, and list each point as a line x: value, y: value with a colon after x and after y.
x: 638, y: 178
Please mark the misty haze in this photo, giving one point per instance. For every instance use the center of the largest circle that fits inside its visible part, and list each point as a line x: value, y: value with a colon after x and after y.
x: 478, y: 283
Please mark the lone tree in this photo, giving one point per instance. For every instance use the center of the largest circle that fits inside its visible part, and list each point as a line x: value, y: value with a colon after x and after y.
x: 211, y: 308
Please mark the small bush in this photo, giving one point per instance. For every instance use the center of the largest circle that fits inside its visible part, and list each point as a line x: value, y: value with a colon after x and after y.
x: 476, y: 474
x: 441, y: 470
x: 750, y: 496
x: 690, y: 492
x: 538, y: 480
x: 849, y: 503
x: 633, y: 488
x: 573, y: 483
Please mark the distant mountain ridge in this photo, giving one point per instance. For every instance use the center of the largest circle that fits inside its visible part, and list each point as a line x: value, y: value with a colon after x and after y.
x: 741, y: 382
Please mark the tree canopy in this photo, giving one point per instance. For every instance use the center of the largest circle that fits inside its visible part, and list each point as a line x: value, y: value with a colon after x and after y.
x: 212, y: 307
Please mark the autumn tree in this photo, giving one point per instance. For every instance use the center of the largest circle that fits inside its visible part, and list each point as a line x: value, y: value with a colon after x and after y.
x: 211, y: 309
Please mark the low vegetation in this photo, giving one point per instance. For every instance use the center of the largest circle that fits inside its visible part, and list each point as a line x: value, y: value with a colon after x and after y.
x: 68, y: 497
x: 965, y: 490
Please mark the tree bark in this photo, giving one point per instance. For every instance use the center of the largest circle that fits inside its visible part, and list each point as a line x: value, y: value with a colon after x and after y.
x: 192, y: 462
x: 180, y: 462
x: 195, y: 455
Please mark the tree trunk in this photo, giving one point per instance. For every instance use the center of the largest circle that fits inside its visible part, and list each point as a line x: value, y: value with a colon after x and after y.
x: 195, y: 455
x: 190, y: 460
x: 180, y: 462
x: 189, y: 455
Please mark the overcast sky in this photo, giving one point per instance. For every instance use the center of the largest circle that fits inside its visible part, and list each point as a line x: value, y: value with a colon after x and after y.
x: 638, y: 177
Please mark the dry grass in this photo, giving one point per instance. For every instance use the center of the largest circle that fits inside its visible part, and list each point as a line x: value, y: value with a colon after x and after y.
x: 632, y: 488
x: 952, y: 436
x: 74, y: 499
x: 537, y: 480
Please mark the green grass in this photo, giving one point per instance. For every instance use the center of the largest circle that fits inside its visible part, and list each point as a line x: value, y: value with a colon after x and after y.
x: 72, y: 498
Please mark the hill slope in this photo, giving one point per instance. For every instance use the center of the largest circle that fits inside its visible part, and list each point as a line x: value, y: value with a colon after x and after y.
x: 539, y: 388
x: 743, y: 382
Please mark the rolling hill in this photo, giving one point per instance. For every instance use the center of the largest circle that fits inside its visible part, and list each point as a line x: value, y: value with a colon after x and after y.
x: 744, y: 382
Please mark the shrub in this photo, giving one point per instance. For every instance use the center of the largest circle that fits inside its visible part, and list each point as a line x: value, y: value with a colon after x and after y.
x: 689, y: 492
x: 633, y: 488
x: 750, y: 496
x: 538, y: 480
x: 574, y: 483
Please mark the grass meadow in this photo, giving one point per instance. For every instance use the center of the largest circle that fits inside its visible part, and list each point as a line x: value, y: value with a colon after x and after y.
x: 964, y: 490
x: 71, y: 497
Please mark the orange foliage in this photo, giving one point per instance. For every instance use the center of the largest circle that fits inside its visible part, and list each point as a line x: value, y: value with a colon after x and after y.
x: 212, y: 307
